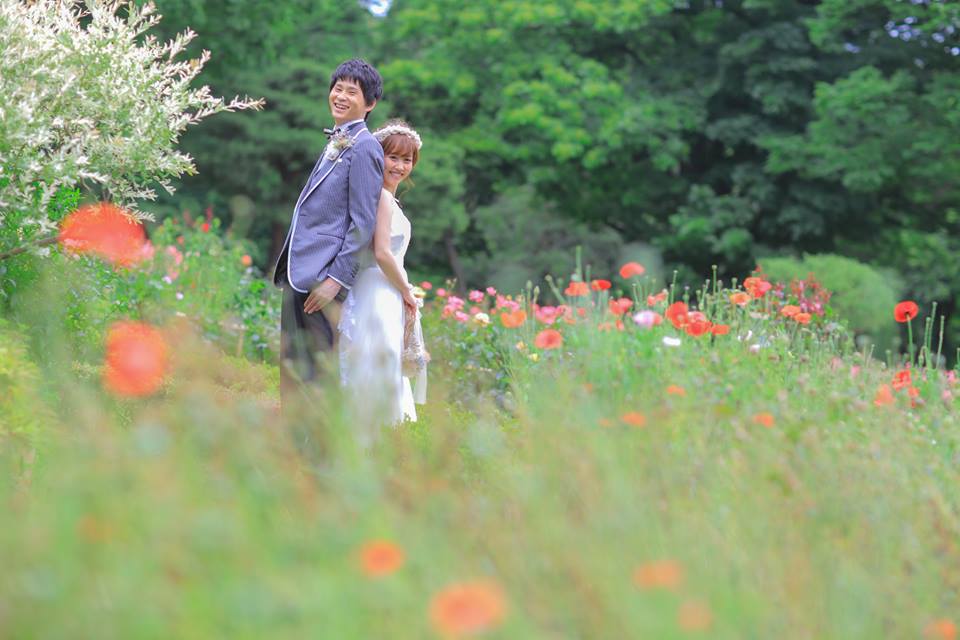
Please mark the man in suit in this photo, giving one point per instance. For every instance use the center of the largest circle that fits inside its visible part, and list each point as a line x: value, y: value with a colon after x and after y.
x: 333, y: 221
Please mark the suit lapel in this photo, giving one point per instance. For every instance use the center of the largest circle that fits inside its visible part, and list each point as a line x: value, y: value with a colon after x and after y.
x: 327, y: 170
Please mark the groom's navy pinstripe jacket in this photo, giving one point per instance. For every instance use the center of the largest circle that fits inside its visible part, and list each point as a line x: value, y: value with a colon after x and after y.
x: 335, y: 215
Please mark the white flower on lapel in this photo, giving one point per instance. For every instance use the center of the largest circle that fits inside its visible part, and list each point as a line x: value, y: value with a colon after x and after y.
x: 337, y: 145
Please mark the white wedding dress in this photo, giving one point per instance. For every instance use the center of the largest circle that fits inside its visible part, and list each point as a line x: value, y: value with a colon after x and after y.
x: 371, y: 340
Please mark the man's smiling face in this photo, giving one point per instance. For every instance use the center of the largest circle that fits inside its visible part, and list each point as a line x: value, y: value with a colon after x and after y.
x: 347, y: 102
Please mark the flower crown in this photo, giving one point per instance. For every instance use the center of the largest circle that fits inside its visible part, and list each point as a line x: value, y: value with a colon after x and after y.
x: 383, y: 133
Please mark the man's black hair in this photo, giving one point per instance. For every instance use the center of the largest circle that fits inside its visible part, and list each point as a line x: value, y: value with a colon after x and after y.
x: 363, y: 73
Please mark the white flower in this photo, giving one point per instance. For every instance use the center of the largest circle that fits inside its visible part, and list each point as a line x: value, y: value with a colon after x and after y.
x: 670, y: 341
x: 481, y: 319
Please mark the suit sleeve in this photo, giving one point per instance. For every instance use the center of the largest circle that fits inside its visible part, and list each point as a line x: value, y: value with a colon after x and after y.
x: 364, y: 183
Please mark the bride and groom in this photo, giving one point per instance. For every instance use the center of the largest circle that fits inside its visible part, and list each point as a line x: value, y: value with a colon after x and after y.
x: 345, y: 290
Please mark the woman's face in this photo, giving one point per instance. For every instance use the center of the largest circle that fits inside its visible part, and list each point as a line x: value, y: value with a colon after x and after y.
x: 396, y: 168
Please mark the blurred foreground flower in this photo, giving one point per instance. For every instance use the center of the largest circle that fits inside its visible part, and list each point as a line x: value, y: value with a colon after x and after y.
x: 661, y: 574
x: 104, y: 230
x: 764, y: 419
x: 136, y: 360
x: 380, y: 558
x: 694, y: 615
x: 468, y: 608
x: 941, y: 630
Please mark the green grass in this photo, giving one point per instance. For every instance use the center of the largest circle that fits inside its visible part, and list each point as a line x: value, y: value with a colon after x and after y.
x: 204, y: 513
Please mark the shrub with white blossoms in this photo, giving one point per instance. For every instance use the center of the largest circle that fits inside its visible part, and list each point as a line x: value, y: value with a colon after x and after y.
x: 89, y: 99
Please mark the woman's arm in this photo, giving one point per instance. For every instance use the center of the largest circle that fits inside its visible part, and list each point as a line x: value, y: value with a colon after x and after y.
x: 381, y: 251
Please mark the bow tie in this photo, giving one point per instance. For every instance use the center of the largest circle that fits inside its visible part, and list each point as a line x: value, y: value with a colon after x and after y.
x: 332, y: 132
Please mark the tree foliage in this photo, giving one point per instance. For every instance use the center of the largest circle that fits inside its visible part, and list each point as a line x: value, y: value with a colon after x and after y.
x: 89, y: 99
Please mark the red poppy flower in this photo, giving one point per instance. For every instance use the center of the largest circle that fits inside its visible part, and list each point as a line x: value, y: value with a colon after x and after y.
x: 513, y: 319
x: 104, y: 230
x: 468, y: 608
x: 576, y: 288
x: 657, y: 298
x: 548, y: 339
x: 631, y: 269
x: 677, y: 314
x: 698, y: 327
x: 600, y: 285
x: 380, y: 558
x: 905, y: 311
x: 246, y: 260
x: 884, y: 396
x: 901, y: 379
x: 757, y: 287
x: 720, y: 329
x: 205, y: 227
x: 620, y: 306
x: 136, y: 359
x: 789, y: 310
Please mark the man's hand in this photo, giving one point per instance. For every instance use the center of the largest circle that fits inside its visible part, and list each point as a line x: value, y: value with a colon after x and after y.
x: 321, y: 295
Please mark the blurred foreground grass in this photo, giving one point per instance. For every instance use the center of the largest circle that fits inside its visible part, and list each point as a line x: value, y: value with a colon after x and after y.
x: 205, y: 513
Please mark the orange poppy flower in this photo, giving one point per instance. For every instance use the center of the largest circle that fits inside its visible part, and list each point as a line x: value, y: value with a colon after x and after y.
x: 789, y: 310
x: 764, y: 419
x: 467, y: 608
x: 720, y: 329
x: 634, y: 419
x: 600, y: 285
x: 104, y: 230
x: 802, y: 318
x: 620, y: 306
x: 884, y: 396
x: 740, y: 298
x: 694, y: 615
x: 905, y: 311
x: 676, y: 390
x: 660, y: 574
x: 631, y: 269
x: 757, y: 287
x: 380, y: 558
x: 513, y: 319
x: 577, y: 289
x: 941, y: 630
x: 246, y: 260
x: 136, y: 359
x: 677, y: 314
x: 548, y: 339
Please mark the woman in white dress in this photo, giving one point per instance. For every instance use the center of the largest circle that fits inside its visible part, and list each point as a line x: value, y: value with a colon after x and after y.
x: 372, y: 324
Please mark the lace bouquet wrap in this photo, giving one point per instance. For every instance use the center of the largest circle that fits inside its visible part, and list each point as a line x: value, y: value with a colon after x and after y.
x: 414, y: 357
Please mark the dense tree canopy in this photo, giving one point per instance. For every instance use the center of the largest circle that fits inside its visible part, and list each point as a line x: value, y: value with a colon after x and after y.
x: 717, y: 132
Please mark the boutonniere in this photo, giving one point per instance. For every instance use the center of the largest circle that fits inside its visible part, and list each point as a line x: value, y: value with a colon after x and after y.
x: 338, y: 144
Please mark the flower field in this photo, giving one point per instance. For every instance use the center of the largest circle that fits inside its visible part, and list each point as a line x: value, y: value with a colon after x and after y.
x: 629, y: 461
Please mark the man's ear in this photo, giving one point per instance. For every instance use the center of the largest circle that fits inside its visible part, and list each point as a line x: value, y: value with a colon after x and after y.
x: 371, y: 106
